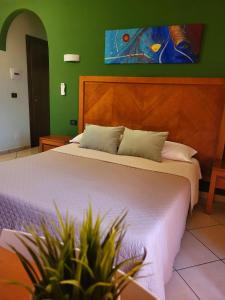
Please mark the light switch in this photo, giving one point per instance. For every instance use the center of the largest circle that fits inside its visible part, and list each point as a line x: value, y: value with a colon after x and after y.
x: 63, y: 89
x: 14, y: 73
x: 13, y: 95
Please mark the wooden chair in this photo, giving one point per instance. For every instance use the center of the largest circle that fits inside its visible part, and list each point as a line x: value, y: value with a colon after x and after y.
x: 133, y: 291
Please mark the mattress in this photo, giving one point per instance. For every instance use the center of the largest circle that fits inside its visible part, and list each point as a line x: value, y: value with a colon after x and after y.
x: 157, y: 202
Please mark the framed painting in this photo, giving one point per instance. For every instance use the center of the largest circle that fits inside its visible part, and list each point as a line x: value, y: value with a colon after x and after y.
x: 173, y: 44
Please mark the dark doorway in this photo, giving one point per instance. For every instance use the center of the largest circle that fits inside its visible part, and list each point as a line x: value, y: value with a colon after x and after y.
x: 38, y: 87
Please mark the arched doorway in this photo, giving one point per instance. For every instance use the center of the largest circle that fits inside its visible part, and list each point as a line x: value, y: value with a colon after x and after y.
x: 25, y: 74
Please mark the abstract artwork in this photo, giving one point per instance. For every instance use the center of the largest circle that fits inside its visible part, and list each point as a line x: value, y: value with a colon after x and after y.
x: 171, y: 44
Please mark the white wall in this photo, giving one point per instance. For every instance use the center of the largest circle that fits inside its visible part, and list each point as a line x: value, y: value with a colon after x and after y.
x: 14, y: 113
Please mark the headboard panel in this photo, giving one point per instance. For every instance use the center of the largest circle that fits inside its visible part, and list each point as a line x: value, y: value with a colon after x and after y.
x: 191, y: 109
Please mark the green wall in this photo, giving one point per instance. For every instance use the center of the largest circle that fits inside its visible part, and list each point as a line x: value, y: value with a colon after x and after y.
x: 77, y: 26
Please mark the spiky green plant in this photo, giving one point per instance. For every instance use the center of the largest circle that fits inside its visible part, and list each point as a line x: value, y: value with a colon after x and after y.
x: 61, y: 272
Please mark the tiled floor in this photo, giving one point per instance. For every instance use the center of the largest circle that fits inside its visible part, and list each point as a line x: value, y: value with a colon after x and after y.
x: 199, y: 268
x: 18, y: 154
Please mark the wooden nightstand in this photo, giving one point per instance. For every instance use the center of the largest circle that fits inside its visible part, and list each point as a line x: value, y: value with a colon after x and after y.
x: 52, y: 141
x: 218, y: 171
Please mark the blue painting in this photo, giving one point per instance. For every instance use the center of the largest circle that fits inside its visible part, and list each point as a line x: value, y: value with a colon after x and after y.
x: 174, y: 44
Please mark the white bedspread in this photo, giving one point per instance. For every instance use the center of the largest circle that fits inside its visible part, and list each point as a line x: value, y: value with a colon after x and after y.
x: 165, y: 227
x: 191, y: 171
x: 157, y: 202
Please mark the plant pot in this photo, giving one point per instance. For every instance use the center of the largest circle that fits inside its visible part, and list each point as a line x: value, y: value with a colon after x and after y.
x: 31, y: 298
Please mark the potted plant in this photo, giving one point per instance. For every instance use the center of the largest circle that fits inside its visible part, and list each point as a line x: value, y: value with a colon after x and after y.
x: 62, y: 272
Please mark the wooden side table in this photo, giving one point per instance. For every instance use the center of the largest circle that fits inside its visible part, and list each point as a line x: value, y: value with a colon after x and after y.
x: 218, y: 171
x: 52, y: 141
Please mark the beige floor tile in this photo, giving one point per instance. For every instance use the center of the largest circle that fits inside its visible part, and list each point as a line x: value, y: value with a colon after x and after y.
x: 27, y: 152
x: 200, y: 219
x: 213, y: 237
x: 219, y: 212
x: 8, y: 156
x: 207, y: 281
x: 23, y: 153
x: 177, y: 289
x: 34, y: 150
x: 192, y: 253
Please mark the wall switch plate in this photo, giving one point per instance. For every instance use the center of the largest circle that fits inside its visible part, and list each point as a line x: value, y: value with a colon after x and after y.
x: 73, y: 122
x: 14, y: 95
x: 14, y: 73
x: 63, y: 89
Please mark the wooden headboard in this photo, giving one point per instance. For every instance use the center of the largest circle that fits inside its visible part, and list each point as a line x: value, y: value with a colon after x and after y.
x: 191, y: 109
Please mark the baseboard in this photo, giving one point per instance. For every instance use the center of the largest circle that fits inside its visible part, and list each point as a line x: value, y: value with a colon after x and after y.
x: 14, y: 149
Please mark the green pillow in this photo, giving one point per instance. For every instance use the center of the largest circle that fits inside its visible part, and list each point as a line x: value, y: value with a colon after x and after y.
x: 101, y: 138
x: 146, y: 144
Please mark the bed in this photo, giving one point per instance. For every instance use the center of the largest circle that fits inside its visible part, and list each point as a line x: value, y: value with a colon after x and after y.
x: 157, y: 196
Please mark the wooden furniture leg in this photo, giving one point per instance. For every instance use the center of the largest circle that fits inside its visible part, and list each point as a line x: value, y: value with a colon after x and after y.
x: 211, y: 193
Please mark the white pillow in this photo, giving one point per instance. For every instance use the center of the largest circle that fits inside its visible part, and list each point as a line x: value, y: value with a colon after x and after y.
x: 177, y: 151
x: 77, y: 138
